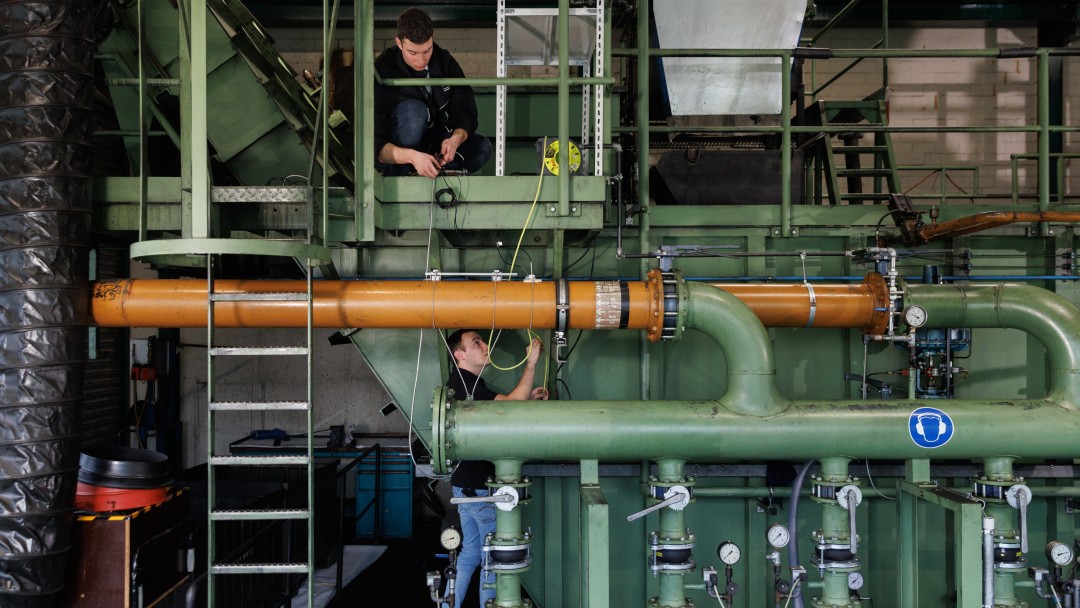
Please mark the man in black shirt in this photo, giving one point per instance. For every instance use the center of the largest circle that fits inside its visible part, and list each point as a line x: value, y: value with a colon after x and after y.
x: 470, y: 356
x: 424, y: 129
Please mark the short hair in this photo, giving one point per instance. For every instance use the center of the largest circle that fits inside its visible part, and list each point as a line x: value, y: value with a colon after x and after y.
x: 415, y: 25
x: 455, y: 343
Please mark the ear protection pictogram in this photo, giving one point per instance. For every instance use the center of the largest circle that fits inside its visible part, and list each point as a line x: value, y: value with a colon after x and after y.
x: 922, y: 430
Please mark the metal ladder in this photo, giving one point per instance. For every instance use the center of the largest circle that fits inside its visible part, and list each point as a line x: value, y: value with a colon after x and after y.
x: 881, y: 173
x: 215, y: 461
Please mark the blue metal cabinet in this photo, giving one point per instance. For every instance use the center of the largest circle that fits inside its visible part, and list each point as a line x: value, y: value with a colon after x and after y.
x: 386, y: 498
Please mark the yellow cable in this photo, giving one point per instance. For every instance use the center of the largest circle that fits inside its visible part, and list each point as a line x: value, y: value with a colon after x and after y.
x: 513, y: 263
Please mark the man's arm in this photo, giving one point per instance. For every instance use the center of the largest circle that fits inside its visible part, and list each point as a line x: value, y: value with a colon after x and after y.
x: 425, y: 164
x: 524, y: 389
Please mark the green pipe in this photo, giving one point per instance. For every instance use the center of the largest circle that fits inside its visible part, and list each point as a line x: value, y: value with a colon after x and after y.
x: 835, y: 525
x: 508, y: 529
x: 842, y: 129
x: 711, y: 431
x: 884, y: 490
x: 833, y: 53
x: 1048, y: 317
x: 509, y: 81
x: 672, y: 528
x: 751, y: 389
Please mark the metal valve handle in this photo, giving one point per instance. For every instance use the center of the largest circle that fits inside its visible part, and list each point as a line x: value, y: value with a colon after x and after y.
x: 677, y: 497
x: 850, y: 497
x: 1019, y: 497
x: 505, y: 498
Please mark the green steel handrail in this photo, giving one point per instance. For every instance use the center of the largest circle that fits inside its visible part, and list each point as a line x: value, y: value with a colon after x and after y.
x: 944, y: 171
x: 509, y: 81
x: 1061, y: 158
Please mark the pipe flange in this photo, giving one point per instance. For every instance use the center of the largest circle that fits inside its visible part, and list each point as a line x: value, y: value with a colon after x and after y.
x: 440, y: 408
x: 656, y: 565
x: 673, y: 290
x: 879, y: 292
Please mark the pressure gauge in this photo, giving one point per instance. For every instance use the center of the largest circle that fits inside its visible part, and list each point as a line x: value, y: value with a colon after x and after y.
x: 450, y: 539
x: 855, y: 581
x: 778, y: 536
x: 728, y: 552
x: 915, y: 316
x: 1059, y: 553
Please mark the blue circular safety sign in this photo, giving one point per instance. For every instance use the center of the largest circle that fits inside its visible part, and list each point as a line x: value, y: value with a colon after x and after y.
x: 930, y: 427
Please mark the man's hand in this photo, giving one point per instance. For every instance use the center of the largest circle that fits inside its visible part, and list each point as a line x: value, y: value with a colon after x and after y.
x: 539, y: 394
x: 425, y: 164
x: 450, y: 146
x: 536, y: 348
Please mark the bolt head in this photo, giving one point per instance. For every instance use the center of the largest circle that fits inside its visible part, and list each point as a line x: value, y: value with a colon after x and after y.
x: 553, y: 209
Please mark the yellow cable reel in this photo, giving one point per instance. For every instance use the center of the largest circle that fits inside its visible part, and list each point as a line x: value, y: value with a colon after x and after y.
x: 551, y: 158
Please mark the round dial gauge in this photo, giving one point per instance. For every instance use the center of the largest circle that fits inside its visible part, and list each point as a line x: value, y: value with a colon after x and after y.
x: 450, y: 539
x: 915, y: 316
x: 855, y: 581
x: 1059, y: 553
x: 728, y: 552
x: 778, y: 536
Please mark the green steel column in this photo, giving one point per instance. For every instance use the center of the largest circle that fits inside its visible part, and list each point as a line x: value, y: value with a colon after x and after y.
x: 595, y: 545
x: 1050, y: 318
x: 185, y: 119
x: 967, y: 555
x: 200, y: 173
x: 1044, y: 136
x: 564, y: 108
x: 144, y: 159
x: 641, y: 121
x: 785, y: 145
x: 365, y: 205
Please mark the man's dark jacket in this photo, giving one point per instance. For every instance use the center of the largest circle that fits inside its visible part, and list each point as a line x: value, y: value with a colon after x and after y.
x: 450, y: 107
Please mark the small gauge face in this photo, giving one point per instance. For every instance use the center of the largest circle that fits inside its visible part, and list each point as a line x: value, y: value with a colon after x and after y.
x: 450, y: 539
x: 915, y: 316
x: 778, y: 536
x: 728, y: 552
x: 1059, y: 553
x: 855, y: 581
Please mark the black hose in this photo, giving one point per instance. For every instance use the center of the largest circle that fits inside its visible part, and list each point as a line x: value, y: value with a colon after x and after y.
x: 793, y: 525
x: 46, y: 88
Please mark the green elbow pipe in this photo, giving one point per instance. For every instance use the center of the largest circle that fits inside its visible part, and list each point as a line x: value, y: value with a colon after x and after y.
x: 1050, y: 318
x: 736, y: 329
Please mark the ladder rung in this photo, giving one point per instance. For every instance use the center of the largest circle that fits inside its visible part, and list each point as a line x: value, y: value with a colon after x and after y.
x: 269, y: 568
x: 257, y: 460
x: 259, y: 297
x: 252, y: 351
x: 244, y: 515
x: 221, y: 406
x: 863, y: 172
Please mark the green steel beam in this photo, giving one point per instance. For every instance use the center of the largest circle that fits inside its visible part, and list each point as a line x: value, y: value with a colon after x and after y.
x: 366, y: 211
x: 595, y: 557
x: 200, y: 152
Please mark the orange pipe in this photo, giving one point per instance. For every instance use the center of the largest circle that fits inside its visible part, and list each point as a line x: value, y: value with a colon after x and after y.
x: 454, y: 304
x: 988, y: 220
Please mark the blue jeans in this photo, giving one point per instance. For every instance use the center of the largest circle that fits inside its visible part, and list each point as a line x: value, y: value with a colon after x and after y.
x: 409, y: 122
x: 477, y: 521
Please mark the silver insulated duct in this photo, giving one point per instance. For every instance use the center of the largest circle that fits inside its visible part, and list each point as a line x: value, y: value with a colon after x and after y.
x: 46, y: 82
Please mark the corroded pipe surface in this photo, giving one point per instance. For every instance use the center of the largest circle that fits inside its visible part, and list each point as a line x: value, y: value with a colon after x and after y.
x: 454, y: 304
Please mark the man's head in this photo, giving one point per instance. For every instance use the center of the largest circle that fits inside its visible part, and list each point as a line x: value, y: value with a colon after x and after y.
x: 415, y: 38
x: 468, y: 349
